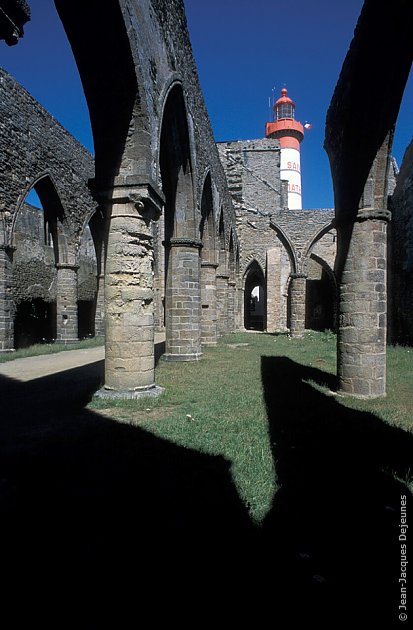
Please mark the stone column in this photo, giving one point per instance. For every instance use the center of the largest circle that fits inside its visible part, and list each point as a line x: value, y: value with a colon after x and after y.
x: 129, y: 317
x: 100, y: 306
x: 6, y: 299
x: 222, y: 303
x: 273, y: 289
x: 159, y: 277
x: 209, y: 303
x: 66, y: 303
x: 231, y: 305
x: 361, y: 351
x: 297, y: 304
x: 183, y: 301
x: 239, y: 307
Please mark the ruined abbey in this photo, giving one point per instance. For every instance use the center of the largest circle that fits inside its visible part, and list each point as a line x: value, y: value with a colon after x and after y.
x: 166, y: 230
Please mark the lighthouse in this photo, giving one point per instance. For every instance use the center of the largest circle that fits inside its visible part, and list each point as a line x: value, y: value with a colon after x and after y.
x: 290, y: 133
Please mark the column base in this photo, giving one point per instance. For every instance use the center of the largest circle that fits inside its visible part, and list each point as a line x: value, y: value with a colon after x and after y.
x: 67, y: 342
x: 209, y: 343
x: 7, y: 350
x: 341, y: 393
x: 128, y: 394
x: 182, y: 357
x: 296, y: 335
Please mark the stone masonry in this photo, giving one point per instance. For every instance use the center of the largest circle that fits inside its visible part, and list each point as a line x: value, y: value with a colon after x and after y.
x: 279, y: 240
x: 400, y: 267
x: 37, y: 152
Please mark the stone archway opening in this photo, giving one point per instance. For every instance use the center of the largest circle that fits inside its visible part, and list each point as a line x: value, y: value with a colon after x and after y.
x: 208, y: 267
x: 35, y: 245
x: 182, y: 243
x: 320, y: 297
x: 88, y: 279
x: 255, y: 307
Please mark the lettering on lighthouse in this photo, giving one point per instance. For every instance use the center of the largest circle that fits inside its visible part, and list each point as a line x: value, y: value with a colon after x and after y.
x: 293, y: 166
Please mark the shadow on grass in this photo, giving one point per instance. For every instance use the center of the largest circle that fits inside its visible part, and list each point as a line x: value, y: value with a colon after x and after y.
x: 96, y: 514
x: 332, y: 534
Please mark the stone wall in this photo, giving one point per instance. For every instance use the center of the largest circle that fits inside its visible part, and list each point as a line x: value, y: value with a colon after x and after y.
x: 401, y: 254
x: 38, y: 153
x: 34, y: 145
x: 34, y: 268
x: 35, y: 280
x: 281, y: 241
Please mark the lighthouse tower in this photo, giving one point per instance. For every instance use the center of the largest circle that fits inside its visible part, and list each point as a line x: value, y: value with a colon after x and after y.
x: 290, y: 133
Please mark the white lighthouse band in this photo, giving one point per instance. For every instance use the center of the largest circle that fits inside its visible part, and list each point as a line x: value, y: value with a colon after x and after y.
x: 290, y: 169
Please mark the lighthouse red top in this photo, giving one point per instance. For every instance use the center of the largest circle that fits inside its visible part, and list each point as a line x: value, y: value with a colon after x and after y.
x: 284, y: 124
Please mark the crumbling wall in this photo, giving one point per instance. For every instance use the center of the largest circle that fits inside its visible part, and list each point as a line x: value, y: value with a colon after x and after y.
x: 401, y: 254
x: 282, y: 241
x: 33, y: 144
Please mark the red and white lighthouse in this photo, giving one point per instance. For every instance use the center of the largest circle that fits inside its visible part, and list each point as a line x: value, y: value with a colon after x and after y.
x: 290, y: 133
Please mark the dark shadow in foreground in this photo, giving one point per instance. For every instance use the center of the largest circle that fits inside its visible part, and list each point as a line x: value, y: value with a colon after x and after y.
x: 99, y: 516
x: 332, y: 536
x: 96, y: 514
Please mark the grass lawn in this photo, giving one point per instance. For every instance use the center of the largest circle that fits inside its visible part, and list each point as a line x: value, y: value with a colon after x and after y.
x: 255, y: 397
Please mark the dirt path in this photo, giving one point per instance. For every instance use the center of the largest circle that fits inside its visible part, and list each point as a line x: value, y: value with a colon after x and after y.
x: 31, y: 368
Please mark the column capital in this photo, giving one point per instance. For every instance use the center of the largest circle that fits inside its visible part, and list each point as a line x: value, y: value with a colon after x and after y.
x: 72, y: 266
x: 296, y: 276
x: 223, y: 276
x: 209, y: 265
x: 363, y: 214
x: 368, y: 214
x: 194, y: 243
x: 145, y: 196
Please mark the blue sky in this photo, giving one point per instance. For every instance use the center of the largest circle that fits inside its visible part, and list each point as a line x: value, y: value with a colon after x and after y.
x: 243, y: 50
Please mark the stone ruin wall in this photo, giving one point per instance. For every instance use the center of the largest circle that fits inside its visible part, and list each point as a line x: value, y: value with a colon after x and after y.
x: 34, y: 144
x: 167, y: 54
x: 37, y: 152
x: 34, y: 268
x: 259, y: 195
x: 401, y: 254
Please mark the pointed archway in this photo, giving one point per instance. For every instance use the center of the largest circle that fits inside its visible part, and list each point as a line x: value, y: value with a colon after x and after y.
x: 182, y: 244
x: 255, y: 298
x: 208, y: 267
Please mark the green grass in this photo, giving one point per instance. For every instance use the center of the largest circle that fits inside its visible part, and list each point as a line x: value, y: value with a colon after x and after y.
x: 50, y: 348
x: 216, y: 406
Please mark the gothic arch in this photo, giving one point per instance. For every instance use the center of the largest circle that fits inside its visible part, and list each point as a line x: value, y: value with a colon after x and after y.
x: 222, y: 253
x: 289, y: 247
x: 255, y: 297
x: 321, y: 295
x: 258, y: 258
x: 207, y: 230
x: 182, y: 259
x: 54, y: 215
x: 307, y: 250
x: 209, y: 264
x: 176, y: 168
x: 117, y: 110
